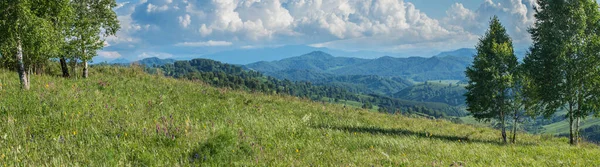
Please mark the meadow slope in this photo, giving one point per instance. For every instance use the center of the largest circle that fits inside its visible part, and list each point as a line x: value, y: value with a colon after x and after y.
x: 122, y: 116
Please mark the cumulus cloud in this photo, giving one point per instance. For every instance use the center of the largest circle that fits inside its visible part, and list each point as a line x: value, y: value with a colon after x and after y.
x: 185, y: 21
x: 516, y: 15
x: 207, y: 43
x: 384, y: 25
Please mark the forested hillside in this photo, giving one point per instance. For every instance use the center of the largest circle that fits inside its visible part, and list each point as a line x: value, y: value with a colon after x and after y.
x: 235, y: 77
x: 449, y: 93
x: 366, y: 84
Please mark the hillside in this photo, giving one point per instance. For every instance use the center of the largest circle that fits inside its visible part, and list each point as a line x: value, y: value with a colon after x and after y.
x: 124, y: 117
x: 365, y: 84
x: 353, y: 88
x: 414, y: 68
x: 448, y: 93
x: 154, y: 61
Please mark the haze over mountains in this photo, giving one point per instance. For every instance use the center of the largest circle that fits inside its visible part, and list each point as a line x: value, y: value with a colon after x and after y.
x: 253, y: 55
x: 419, y: 69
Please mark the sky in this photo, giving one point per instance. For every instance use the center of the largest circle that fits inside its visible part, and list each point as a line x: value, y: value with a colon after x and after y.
x: 188, y: 28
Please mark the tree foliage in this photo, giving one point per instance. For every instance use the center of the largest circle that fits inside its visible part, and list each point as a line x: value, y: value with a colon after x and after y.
x: 564, y: 59
x: 92, y: 18
x: 491, y: 76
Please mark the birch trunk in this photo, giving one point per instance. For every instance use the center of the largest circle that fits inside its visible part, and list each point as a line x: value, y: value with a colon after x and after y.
x: 21, y: 66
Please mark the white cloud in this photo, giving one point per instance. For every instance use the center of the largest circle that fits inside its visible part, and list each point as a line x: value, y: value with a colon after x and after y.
x: 202, y: 44
x: 382, y: 25
x: 109, y: 55
x: 185, y: 21
x: 153, y: 8
x: 515, y: 15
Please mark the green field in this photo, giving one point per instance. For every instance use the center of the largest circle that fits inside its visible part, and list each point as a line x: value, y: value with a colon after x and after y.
x: 562, y: 127
x: 124, y: 117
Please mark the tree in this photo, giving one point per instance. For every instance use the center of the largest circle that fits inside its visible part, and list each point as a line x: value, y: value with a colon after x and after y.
x: 92, y: 19
x: 564, y: 59
x: 517, y: 99
x: 490, y: 76
x: 27, y: 32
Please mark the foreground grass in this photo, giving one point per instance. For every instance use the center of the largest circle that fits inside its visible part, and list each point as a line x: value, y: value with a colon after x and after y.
x: 121, y: 116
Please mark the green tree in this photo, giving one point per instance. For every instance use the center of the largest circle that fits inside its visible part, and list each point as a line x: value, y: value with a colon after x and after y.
x: 490, y: 76
x: 564, y: 59
x: 93, y: 18
x: 27, y: 32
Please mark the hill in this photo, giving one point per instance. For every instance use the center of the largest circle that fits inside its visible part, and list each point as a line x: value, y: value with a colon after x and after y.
x: 155, y: 61
x: 448, y: 93
x: 122, y: 116
x: 231, y: 76
x: 366, y: 84
x: 467, y: 52
x: 414, y: 68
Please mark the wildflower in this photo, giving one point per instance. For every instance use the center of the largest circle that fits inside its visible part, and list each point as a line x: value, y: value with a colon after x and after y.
x: 354, y: 133
x: 47, y: 85
x: 297, y: 151
x: 74, y: 132
x: 458, y: 140
x: 125, y: 134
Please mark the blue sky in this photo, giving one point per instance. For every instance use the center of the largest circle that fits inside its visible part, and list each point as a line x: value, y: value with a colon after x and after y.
x: 188, y: 28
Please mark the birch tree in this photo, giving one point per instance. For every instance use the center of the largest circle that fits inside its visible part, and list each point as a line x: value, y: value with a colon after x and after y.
x: 563, y: 62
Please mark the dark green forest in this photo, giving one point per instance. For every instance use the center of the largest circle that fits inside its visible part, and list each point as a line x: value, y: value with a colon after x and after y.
x: 235, y: 77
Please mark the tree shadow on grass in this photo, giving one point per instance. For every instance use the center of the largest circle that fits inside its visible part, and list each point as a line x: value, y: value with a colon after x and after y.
x: 404, y: 132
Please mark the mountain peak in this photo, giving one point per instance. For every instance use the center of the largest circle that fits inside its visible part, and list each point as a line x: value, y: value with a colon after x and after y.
x: 467, y: 52
x: 317, y: 54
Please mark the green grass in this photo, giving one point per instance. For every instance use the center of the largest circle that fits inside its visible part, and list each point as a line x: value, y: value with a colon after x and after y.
x: 122, y: 117
x: 562, y: 127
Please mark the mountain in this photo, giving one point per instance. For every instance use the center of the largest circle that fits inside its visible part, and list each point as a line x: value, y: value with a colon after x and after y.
x: 449, y: 93
x: 413, y: 68
x: 366, y: 84
x: 119, y: 61
x: 252, y: 55
x: 155, y: 61
x: 467, y: 52
x: 316, y: 61
x: 470, y: 52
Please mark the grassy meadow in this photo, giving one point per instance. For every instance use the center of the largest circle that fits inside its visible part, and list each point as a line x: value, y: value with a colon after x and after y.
x: 124, y: 117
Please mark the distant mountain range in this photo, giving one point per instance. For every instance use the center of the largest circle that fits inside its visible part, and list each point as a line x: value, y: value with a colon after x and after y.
x: 152, y: 61
x: 246, y: 56
x: 449, y: 67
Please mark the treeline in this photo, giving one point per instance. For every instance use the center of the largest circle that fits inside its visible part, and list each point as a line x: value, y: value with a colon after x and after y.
x: 34, y: 33
x: 234, y: 77
x: 231, y: 76
x: 560, y: 71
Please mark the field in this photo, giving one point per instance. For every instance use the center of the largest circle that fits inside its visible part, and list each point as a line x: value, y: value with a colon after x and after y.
x: 124, y: 117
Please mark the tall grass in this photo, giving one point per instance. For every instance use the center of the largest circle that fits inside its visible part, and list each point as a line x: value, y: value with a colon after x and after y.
x: 121, y: 116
